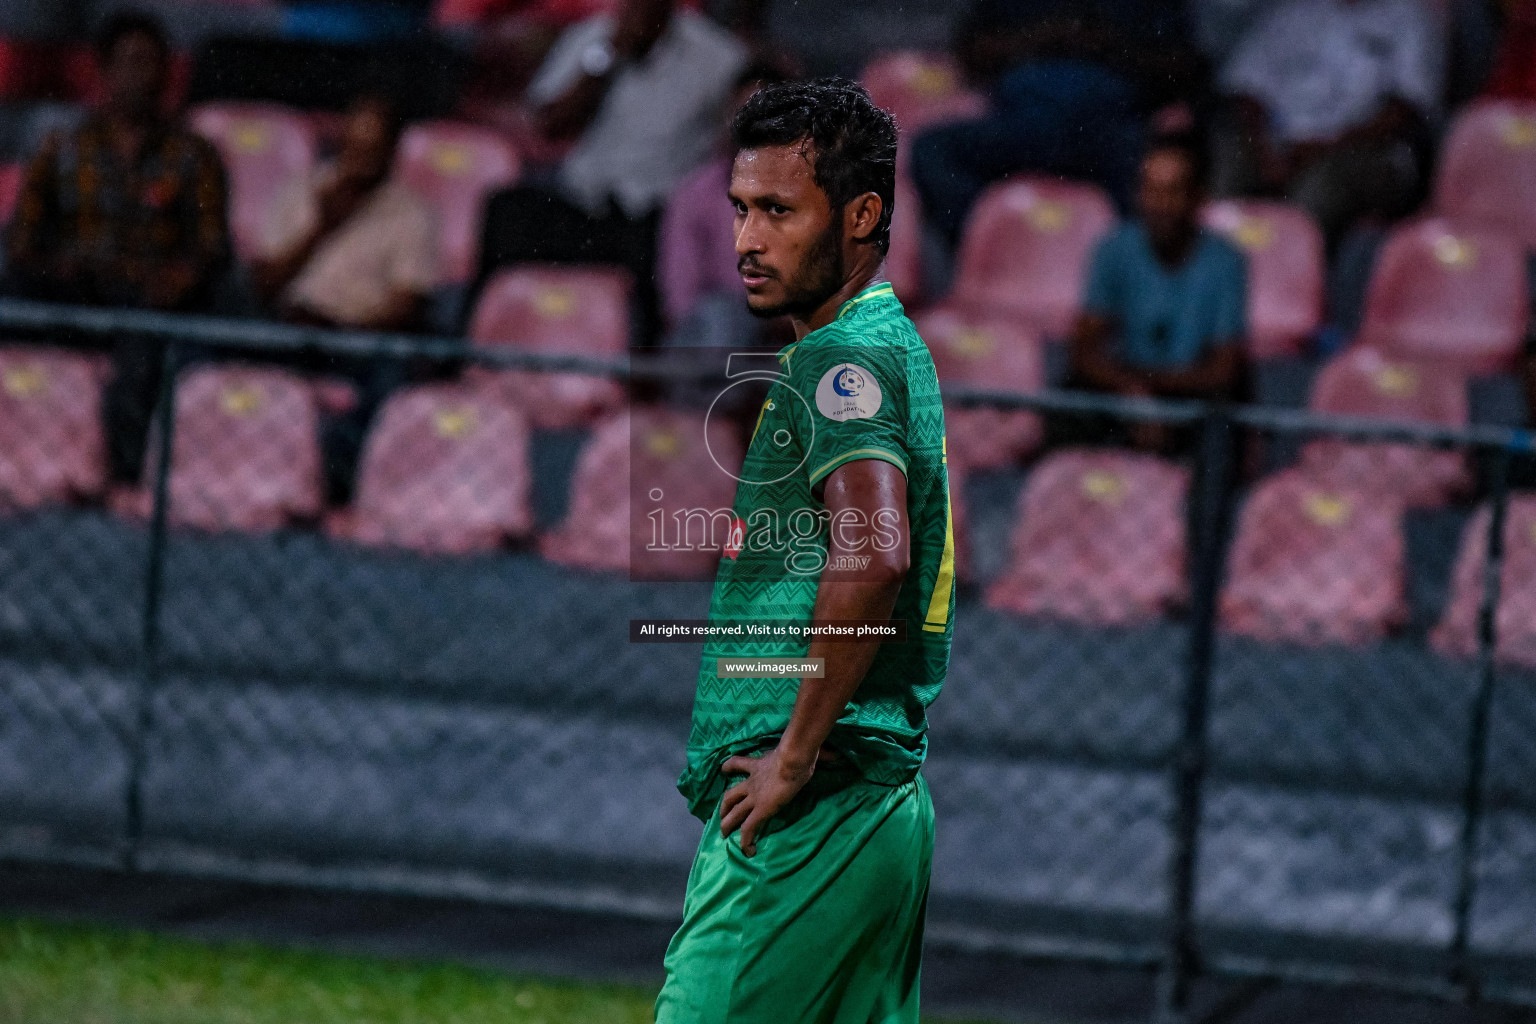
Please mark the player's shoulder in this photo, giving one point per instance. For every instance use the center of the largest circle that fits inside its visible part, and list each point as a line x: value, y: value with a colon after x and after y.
x: 880, y: 348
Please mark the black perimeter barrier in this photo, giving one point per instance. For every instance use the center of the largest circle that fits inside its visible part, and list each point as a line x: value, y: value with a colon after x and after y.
x: 1206, y: 715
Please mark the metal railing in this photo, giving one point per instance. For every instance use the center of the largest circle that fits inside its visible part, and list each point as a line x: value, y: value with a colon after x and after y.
x: 1163, y: 782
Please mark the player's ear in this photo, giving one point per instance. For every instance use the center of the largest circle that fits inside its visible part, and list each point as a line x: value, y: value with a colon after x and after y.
x: 863, y: 215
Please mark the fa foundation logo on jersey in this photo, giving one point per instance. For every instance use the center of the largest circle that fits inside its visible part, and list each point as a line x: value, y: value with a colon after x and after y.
x: 848, y: 392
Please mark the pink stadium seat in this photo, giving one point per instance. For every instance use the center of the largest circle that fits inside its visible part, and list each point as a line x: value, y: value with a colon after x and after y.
x: 1488, y: 168
x: 662, y: 458
x: 51, y: 445
x: 1362, y: 382
x: 246, y: 451
x: 920, y: 90
x: 563, y: 310
x: 1515, y: 621
x: 993, y: 352
x: 904, y: 261
x: 265, y: 147
x: 1285, y: 272
x: 11, y: 176
x: 445, y: 470
x: 1449, y: 293
x: 1026, y: 249
x: 455, y: 167
x: 1314, y: 563
x: 1100, y: 539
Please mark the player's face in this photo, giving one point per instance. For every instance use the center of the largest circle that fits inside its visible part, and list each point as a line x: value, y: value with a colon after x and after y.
x: 789, y: 245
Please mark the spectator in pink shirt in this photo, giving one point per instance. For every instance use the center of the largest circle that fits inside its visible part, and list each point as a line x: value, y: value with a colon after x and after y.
x: 697, y: 254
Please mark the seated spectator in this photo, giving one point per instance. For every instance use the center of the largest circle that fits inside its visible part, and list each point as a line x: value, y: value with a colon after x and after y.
x: 126, y: 210
x: 1070, y: 83
x: 349, y: 247
x: 1330, y: 103
x: 1164, y: 312
x: 641, y: 92
x: 698, y: 234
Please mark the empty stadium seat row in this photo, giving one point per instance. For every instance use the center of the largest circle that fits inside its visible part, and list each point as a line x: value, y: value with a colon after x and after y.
x: 1099, y: 538
x: 50, y: 400
x: 444, y: 469
x: 991, y: 351
x: 50, y: 405
x: 1364, y: 383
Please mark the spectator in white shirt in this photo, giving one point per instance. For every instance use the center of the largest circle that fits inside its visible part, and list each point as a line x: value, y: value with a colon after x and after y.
x: 640, y: 92
x: 1330, y: 103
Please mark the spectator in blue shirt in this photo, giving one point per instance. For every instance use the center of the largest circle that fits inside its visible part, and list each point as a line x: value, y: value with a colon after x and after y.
x: 1164, y: 313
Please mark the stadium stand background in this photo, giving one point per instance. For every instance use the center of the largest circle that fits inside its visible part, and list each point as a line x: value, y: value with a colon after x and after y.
x: 405, y: 691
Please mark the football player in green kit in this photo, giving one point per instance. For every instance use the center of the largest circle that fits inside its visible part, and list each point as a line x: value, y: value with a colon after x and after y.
x: 807, y: 897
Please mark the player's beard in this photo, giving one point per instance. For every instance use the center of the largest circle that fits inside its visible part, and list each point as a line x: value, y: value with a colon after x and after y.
x: 819, y: 277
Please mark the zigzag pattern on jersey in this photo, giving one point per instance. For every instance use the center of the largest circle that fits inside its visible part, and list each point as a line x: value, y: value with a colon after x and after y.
x: 740, y: 694
x: 712, y: 733
x: 769, y: 598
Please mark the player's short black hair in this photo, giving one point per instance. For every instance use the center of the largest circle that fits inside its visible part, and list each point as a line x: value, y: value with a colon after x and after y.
x: 852, y: 141
x: 1189, y: 147
x: 123, y: 24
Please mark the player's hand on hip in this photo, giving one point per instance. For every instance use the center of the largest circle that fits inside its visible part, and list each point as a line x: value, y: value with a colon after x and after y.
x: 771, y: 782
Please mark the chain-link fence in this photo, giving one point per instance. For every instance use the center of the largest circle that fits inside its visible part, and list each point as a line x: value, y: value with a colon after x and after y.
x: 1247, y: 691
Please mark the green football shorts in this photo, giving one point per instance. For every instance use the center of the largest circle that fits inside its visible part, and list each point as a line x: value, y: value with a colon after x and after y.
x: 824, y: 925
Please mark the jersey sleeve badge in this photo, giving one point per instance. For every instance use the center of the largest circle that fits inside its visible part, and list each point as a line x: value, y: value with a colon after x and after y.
x: 848, y: 391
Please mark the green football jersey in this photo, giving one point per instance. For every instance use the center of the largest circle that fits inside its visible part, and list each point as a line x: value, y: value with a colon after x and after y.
x: 862, y: 387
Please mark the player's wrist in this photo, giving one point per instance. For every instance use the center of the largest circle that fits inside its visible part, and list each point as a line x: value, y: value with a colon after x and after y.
x: 795, y: 759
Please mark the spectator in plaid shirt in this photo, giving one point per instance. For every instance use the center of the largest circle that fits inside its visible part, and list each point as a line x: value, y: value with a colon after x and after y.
x: 127, y: 210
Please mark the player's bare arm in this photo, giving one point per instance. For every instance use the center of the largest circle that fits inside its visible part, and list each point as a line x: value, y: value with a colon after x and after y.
x: 854, y: 494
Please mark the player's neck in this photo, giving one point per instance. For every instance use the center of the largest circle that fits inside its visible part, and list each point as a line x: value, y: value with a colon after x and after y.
x: 864, y: 274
